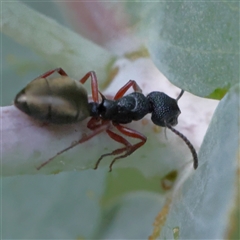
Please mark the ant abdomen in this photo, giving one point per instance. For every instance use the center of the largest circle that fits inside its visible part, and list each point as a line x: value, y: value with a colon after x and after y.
x: 59, y: 100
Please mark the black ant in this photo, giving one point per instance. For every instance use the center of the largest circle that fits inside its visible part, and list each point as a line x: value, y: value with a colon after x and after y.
x: 63, y: 100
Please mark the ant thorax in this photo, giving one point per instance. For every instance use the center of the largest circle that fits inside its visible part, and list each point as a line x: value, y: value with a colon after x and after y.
x: 131, y: 107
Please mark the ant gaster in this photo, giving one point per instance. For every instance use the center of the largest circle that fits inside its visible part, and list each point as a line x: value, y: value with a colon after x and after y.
x: 62, y: 100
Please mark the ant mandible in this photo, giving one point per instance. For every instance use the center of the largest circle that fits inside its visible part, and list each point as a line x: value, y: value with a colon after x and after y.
x: 62, y: 100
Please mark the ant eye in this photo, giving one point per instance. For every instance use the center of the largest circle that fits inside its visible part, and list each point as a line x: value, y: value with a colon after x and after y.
x: 172, y: 121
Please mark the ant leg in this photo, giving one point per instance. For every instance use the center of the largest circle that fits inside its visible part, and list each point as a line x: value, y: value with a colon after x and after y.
x: 116, y: 138
x: 92, y: 74
x: 123, y: 90
x: 130, y: 133
x: 95, y: 132
x: 48, y: 73
x: 94, y: 123
x: 94, y: 84
x: 128, y: 149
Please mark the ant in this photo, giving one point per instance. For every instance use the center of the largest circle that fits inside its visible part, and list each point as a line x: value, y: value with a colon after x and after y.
x: 62, y: 100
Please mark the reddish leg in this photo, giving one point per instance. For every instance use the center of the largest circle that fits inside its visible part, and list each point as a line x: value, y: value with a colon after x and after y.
x: 48, y: 73
x: 91, y: 74
x: 94, y: 124
x: 116, y: 138
x: 94, y: 84
x: 128, y: 149
x: 123, y: 90
x: 95, y: 132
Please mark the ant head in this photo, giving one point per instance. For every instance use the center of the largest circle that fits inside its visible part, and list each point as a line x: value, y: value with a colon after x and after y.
x: 165, y: 110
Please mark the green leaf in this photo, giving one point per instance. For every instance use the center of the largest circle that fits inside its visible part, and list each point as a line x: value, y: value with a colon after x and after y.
x: 62, y: 206
x: 218, y: 93
x: 196, y: 47
x: 194, y: 44
x: 130, y: 217
x: 57, y: 44
x: 207, y: 198
x: 201, y: 207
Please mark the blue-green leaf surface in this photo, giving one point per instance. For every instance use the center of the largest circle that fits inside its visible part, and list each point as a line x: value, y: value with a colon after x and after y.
x: 194, y: 44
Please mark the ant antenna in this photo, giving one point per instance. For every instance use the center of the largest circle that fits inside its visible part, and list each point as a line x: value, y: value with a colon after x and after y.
x: 190, y: 146
x: 181, y: 93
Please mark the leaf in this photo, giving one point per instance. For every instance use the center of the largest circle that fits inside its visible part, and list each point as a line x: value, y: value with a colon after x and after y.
x: 211, y: 188
x: 202, y: 208
x: 129, y: 216
x: 57, y: 44
x: 194, y: 44
x: 62, y: 206
x: 198, y: 209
